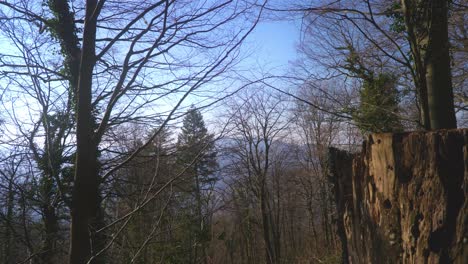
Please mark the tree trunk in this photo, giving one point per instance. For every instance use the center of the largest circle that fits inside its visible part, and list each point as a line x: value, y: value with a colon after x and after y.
x: 200, y: 237
x: 8, y: 242
x: 438, y: 75
x: 402, y: 200
x: 419, y: 67
x: 85, y: 210
x: 269, y: 247
x: 312, y: 226
x: 427, y: 33
x: 51, y: 226
x: 340, y: 189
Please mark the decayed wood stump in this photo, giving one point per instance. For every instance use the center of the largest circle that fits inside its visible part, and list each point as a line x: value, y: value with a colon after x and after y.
x: 403, y: 199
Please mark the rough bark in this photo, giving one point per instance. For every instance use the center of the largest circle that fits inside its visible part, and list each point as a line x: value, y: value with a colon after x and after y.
x: 402, y: 199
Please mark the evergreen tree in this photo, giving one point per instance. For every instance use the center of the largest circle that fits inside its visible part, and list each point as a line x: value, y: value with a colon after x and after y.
x: 378, y: 109
x: 196, y: 152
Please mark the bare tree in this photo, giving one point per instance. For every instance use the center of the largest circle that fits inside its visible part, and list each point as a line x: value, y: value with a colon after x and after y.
x: 259, y: 123
x: 318, y: 131
x: 114, y: 62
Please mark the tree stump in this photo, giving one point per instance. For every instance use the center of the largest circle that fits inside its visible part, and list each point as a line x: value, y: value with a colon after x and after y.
x: 403, y: 198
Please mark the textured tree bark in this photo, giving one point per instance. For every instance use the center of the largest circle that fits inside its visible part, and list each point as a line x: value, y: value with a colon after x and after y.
x: 402, y: 199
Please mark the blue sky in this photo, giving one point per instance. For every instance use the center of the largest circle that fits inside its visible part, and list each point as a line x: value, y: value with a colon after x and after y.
x: 272, y: 47
x: 274, y: 44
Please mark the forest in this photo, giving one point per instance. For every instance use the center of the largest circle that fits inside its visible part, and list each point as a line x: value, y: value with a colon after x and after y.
x: 146, y: 132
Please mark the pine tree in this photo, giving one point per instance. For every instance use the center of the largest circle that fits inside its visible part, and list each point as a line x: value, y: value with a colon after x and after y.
x: 196, y: 153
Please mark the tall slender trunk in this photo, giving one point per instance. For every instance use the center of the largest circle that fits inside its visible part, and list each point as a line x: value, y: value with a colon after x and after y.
x: 276, y: 227
x: 292, y: 229
x: 85, y: 208
x: 269, y: 247
x: 48, y: 208
x: 312, y: 224
x: 324, y: 212
x: 247, y: 235
x: 201, y: 227
x: 7, y: 243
